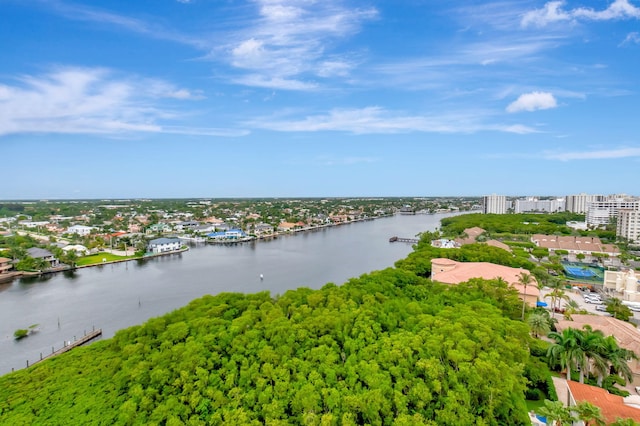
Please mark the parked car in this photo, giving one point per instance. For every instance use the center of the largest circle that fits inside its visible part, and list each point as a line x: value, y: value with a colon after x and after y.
x: 601, y: 308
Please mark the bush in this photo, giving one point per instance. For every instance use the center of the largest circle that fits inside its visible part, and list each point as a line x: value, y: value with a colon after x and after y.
x: 20, y: 333
x: 534, y: 394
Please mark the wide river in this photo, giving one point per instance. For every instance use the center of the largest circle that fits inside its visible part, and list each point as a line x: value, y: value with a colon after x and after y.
x: 115, y: 296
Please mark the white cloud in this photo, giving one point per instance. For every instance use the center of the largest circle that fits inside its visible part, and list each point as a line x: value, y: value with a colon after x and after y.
x: 532, y: 102
x: 377, y: 120
x: 552, y: 12
x: 633, y: 37
x: 629, y: 152
x: 90, y: 101
x: 292, y: 40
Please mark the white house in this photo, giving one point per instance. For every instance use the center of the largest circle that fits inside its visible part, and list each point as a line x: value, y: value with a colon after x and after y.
x: 163, y: 245
x: 78, y: 248
x: 81, y: 230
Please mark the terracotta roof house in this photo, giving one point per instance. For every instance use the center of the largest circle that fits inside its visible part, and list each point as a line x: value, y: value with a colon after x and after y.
x: 451, y: 272
x: 574, y: 245
x: 611, y: 406
x: 5, y: 265
x: 626, y: 334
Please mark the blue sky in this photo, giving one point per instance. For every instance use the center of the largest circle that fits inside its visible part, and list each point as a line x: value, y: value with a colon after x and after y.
x: 292, y: 98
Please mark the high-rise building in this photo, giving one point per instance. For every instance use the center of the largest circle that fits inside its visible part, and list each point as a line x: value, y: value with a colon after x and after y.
x: 578, y: 203
x: 628, y: 225
x: 601, y: 212
x: 496, y: 204
x: 534, y: 204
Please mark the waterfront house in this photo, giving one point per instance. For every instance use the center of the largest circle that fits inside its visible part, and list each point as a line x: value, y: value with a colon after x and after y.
x: 163, y: 245
x: 79, y: 249
x: 5, y: 265
x: 451, y: 272
x: 188, y: 224
x: 46, y: 255
x: 230, y: 234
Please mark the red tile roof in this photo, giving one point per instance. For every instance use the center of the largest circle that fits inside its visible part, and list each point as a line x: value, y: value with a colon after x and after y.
x: 611, y: 406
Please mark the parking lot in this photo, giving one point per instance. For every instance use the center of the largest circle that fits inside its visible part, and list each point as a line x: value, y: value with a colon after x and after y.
x: 577, y: 295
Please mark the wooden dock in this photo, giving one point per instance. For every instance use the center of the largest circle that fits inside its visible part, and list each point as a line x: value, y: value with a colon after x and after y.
x: 68, y: 345
x: 403, y: 240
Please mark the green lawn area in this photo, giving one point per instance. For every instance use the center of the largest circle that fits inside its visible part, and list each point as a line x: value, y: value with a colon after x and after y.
x: 96, y: 259
x: 534, y: 405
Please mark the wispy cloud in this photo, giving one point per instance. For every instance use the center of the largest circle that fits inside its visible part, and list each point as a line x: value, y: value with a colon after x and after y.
x: 93, y: 14
x: 377, y: 120
x: 291, y: 40
x: 345, y: 161
x: 532, y: 102
x: 631, y: 38
x: 92, y: 101
x: 553, y: 12
x: 627, y: 152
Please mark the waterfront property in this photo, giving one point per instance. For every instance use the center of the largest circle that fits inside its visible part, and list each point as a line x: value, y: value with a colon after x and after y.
x: 451, y: 272
x: 163, y: 245
x: 46, y: 255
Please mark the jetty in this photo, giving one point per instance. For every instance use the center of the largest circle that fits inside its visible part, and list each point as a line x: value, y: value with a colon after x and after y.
x: 68, y: 345
x: 403, y: 240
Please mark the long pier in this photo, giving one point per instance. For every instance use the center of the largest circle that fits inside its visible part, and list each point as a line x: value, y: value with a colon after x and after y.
x: 403, y: 240
x: 68, y: 345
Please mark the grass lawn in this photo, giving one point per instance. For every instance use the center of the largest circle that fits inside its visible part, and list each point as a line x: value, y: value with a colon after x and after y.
x: 96, y: 259
x: 534, y: 405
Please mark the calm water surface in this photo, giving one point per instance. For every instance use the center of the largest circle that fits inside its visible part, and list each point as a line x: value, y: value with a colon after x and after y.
x: 112, y: 297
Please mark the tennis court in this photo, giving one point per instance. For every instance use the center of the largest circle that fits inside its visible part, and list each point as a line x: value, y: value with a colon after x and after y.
x: 583, y: 271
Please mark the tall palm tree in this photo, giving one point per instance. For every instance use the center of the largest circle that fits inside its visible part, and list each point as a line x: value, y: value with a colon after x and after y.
x: 592, y: 344
x: 525, y: 279
x: 566, y: 350
x: 557, y: 294
x: 589, y: 414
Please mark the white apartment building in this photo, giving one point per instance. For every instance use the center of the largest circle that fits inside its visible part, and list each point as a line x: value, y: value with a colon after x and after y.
x: 579, y: 203
x: 601, y: 212
x: 496, y: 204
x: 534, y: 204
x: 628, y: 225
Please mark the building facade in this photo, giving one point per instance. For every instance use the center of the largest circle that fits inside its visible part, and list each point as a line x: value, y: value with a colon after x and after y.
x: 578, y: 203
x: 494, y: 204
x: 600, y: 213
x: 535, y: 205
x: 628, y: 225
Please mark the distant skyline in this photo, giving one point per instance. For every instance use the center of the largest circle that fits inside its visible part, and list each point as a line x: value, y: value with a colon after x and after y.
x: 301, y: 98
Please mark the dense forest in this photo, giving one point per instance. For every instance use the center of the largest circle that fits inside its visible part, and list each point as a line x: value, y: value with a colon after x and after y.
x: 388, y: 347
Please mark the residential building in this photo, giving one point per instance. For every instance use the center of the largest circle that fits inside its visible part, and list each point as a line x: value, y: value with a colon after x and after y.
x: 626, y: 335
x: 535, y: 205
x: 578, y: 203
x: 600, y: 213
x: 494, y: 204
x: 79, y: 249
x: 575, y: 245
x: 46, y: 255
x: 628, y: 225
x: 611, y: 406
x: 452, y: 272
x: 624, y: 284
x: 5, y: 265
x: 158, y: 228
x: 163, y: 245
x: 81, y: 230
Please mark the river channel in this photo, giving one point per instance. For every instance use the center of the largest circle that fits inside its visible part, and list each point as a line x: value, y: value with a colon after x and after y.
x: 115, y: 296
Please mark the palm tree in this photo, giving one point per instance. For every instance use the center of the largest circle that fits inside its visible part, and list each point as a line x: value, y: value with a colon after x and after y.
x: 618, y: 310
x: 589, y: 414
x: 592, y: 343
x: 539, y: 324
x: 557, y: 294
x: 566, y: 350
x: 525, y: 279
x: 618, y: 358
x: 624, y: 422
x: 556, y: 412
